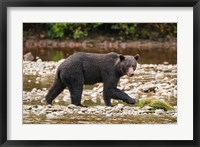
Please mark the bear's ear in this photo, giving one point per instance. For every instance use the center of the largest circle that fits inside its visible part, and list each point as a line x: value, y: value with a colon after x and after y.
x: 137, y: 57
x: 121, y: 57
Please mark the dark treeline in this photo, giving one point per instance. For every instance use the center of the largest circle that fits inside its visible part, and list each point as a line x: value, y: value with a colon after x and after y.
x: 152, y: 31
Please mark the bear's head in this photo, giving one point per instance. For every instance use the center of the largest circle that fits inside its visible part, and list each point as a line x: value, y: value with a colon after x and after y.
x: 126, y: 65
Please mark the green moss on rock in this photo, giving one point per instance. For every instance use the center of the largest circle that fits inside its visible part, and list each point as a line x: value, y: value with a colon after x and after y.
x: 154, y: 103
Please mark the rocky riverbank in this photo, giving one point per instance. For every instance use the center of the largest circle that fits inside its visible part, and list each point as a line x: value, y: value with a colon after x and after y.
x: 154, y: 86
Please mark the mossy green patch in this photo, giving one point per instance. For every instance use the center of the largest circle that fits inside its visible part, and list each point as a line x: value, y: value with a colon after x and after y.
x: 91, y: 103
x: 89, y: 87
x: 154, y: 103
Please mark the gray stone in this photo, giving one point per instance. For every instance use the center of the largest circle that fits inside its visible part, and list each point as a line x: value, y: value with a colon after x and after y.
x: 71, y: 106
x: 28, y: 57
x: 159, y: 76
x: 159, y: 111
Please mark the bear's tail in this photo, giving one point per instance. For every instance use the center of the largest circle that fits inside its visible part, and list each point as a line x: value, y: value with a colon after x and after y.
x: 56, y: 88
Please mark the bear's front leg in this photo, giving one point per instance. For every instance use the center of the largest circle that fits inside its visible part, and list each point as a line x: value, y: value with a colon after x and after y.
x: 119, y: 95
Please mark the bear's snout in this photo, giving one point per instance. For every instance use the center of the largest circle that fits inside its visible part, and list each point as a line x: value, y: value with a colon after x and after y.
x: 130, y: 72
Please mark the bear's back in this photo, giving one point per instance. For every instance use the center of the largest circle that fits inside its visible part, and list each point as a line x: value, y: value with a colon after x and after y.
x: 94, y: 65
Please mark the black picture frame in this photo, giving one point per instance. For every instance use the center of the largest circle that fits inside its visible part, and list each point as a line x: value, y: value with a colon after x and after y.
x: 4, y: 4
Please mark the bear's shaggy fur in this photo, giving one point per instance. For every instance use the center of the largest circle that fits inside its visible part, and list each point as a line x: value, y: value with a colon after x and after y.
x: 90, y: 68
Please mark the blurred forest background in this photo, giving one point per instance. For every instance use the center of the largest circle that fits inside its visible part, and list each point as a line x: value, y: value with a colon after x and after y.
x: 153, y: 31
x: 156, y: 42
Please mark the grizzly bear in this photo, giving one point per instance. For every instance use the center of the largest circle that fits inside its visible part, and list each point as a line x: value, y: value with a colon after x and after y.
x: 90, y: 68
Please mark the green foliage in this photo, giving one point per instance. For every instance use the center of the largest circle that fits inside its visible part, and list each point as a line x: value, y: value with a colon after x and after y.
x: 70, y: 30
x: 154, y: 103
x: 153, y: 31
x: 57, y: 30
x: 125, y: 28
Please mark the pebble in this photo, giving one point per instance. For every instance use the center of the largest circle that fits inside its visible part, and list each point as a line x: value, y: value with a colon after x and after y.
x: 94, y: 100
x: 159, y: 111
x: 135, y: 96
x: 57, y: 100
x: 38, y: 78
x: 159, y: 76
x: 43, y: 101
x: 120, y: 106
x: 71, y: 106
x: 94, y: 95
x: 39, y: 60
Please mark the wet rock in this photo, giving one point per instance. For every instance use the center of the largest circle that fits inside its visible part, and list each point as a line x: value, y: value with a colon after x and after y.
x: 80, y: 112
x: 126, y: 88
x: 109, y: 115
x: 29, y: 108
x: 115, y: 110
x: 57, y: 100
x: 174, y: 115
x: 150, y: 88
x: 120, y: 106
x: 147, y: 108
x: 108, y: 108
x: 159, y: 76
x: 135, y: 96
x: 164, y: 94
x: 50, y: 116
x: 94, y: 100
x: 166, y: 79
x: 34, y: 90
x: 124, y: 82
x: 174, y: 81
x: 67, y: 99
x: 94, y: 95
x: 71, y: 106
x: 49, y: 106
x: 159, y: 111
x: 83, y: 109
x: 38, y: 79
x: 43, y: 101
x: 28, y: 56
x: 100, y: 107
x: 39, y: 60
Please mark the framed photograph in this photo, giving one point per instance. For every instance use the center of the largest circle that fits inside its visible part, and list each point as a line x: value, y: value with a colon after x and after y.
x: 99, y: 73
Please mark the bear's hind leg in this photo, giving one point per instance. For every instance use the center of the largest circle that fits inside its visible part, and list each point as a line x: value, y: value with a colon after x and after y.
x: 56, y: 88
x: 107, y: 100
x: 76, y: 93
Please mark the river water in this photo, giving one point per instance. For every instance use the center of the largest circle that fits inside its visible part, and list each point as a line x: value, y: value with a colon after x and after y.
x: 155, y: 56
